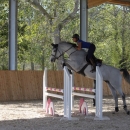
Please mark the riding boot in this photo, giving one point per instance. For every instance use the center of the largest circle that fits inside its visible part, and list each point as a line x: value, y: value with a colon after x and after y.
x: 93, y: 65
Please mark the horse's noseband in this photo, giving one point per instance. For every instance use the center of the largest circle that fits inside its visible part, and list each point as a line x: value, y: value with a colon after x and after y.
x: 56, y: 49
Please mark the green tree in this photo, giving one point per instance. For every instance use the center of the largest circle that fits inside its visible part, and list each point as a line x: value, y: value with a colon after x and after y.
x: 57, y: 13
x: 108, y: 29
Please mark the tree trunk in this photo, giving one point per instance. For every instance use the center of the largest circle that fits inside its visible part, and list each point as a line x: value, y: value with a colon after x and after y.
x: 123, y: 59
x: 56, y: 41
x: 43, y: 60
x: 32, y: 66
x: 24, y: 66
x: 57, y: 35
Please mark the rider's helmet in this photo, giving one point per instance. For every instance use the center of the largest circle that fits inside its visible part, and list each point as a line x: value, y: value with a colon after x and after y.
x: 75, y: 36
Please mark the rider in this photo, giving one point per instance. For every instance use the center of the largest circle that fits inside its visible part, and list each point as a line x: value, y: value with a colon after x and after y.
x: 91, y: 49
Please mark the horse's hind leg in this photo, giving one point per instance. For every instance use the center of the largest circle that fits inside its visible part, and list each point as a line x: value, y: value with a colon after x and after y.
x: 115, y: 96
x: 119, y: 89
x: 124, y: 100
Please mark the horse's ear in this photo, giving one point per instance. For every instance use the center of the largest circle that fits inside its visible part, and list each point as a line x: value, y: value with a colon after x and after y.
x: 56, y: 45
x: 52, y: 44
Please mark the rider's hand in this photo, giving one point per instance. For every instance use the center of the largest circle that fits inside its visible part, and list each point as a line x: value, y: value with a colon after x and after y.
x: 79, y: 46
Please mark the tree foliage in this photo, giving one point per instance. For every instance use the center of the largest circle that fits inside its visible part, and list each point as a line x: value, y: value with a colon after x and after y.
x: 110, y: 24
x: 41, y: 22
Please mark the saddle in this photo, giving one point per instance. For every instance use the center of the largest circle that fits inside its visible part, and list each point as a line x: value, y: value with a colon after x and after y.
x: 98, y: 62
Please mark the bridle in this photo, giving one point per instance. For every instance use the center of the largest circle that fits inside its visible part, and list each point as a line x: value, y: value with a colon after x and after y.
x: 56, y: 53
x: 61, y: 54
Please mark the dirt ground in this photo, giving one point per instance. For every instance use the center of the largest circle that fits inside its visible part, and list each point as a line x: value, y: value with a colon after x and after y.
x: 29, y: 115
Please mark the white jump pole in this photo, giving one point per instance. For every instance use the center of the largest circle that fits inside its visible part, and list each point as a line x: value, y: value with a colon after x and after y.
x: 67, y: 94
x: 44, y: 88
x: 99, y: 96
x: 72, y: 96
x: 68, y: 82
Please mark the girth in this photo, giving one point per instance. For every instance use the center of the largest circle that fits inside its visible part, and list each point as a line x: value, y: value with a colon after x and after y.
x: 82, y: 70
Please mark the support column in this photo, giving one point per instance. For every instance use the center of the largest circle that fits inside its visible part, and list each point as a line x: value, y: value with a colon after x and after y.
x: 84, y: 20
x: 12, y: 34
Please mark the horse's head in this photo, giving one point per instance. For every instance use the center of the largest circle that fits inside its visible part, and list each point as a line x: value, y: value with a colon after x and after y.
x: 55, y: 52
x: 58, y: 50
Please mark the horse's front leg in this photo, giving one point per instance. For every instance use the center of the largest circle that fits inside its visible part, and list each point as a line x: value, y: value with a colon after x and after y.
x: 94, y: 87
x: 61, y: 62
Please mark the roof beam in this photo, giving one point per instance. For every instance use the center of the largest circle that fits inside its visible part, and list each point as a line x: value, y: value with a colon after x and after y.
x: 120, y: 2
x: 93, y: 3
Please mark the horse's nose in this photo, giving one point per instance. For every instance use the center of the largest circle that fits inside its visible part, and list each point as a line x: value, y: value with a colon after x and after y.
x: 52, y: 60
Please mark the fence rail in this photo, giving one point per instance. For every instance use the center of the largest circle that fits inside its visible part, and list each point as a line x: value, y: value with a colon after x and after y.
x: 27, y: 85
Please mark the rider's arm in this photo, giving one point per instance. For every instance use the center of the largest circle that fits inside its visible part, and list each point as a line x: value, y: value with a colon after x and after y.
x: 79, y: 46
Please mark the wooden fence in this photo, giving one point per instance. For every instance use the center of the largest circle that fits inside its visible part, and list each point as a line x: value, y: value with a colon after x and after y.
x: 20, y: 85
x: 27, y: 85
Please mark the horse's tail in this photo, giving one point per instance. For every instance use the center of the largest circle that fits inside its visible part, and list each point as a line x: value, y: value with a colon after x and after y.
x: 126, y: 75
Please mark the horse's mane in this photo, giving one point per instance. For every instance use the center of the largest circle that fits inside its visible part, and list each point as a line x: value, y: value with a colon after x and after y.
x: 66, y: 42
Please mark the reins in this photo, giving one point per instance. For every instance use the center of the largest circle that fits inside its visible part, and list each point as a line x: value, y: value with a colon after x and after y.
x: 61, y: 54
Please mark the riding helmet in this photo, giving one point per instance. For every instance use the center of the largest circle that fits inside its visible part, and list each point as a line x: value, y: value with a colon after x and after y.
x: 75, y: 36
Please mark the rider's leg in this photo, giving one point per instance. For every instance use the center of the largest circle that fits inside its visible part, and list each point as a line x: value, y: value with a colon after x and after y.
x: 93, y: 64
x: 91, y: 57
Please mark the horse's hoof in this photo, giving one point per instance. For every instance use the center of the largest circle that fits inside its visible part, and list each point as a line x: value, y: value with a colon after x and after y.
x: 116, y: 109
x: 93, y: 105
x: 128, y: 113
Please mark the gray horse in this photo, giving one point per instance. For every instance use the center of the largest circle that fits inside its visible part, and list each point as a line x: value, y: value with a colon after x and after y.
x: 77, y: 61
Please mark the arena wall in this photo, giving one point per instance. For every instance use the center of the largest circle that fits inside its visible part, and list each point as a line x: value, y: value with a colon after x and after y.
x: 27, y: 85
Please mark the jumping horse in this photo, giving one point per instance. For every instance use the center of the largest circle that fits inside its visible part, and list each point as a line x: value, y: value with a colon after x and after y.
x: 76, y: 61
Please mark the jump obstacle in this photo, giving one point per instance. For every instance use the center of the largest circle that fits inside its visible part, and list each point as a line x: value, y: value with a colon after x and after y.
x: 68, y: 93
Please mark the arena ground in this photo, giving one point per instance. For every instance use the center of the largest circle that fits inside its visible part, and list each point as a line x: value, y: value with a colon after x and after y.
x: 29, y: 115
